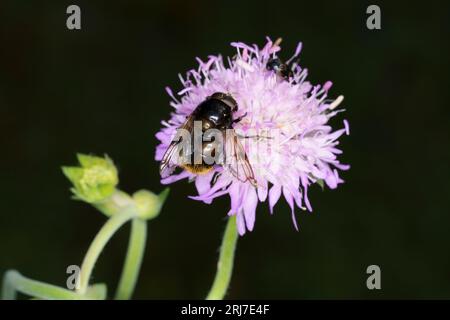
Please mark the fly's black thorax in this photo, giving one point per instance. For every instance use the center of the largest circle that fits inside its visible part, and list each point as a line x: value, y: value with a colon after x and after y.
x: 214, y: 114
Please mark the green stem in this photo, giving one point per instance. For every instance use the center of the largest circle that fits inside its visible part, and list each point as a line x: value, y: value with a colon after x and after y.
x: 133, y: 261
x: 226, y: 260
x: 101, y: 239
x: 14, y: 282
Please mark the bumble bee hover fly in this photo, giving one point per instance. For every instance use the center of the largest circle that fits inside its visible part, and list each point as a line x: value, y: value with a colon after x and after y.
x: 215, y: 112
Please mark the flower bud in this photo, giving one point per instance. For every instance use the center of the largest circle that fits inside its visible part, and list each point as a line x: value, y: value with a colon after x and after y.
x: 95, y: 180
x: 149, y: 204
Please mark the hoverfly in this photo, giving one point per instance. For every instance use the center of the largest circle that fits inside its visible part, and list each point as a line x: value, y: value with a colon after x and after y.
x: 215, y: 112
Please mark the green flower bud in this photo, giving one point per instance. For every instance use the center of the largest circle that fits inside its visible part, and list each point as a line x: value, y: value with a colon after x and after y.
x: 115, y: 203
x: 149, y: 204
x: 95, y: 180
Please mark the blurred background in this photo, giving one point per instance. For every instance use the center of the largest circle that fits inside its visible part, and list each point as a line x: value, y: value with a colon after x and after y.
x: 101, y: 90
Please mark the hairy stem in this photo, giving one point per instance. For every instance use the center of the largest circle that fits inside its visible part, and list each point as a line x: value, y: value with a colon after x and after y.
x: 226, y: 260
x: 14, y: 282
x: 133, y: 261
x: 101, y: 239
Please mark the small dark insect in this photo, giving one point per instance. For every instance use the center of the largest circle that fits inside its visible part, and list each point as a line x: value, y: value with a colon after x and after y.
x: 282, y: 69
x: 275, y: 64
x: 216, y: 112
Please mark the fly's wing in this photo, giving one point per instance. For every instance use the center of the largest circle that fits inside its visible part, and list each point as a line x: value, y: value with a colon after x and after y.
x: 236, y: 160
x: 172, y: 157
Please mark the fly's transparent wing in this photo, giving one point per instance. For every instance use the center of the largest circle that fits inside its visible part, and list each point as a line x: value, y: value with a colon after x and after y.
x: 236, y: 160
x: 172, y: 157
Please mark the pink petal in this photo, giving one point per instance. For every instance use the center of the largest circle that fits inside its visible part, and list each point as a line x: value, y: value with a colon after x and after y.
x: 347, y: 127
x: 290, y: 201
x: 343, y: 167
x: 175, y: 177
x: 327, y: 85
x: 274, y: 196
x: 308, y: 204
x: 208, y: 199
x: 251, y: 201
x: 240, y: 223
x: 203, y: 182
x: 170, y: 93
x: 235, y: 196
x: 263, y: 191
x: 331, y: 181
x: 160, y: 150
x: 298, y: 49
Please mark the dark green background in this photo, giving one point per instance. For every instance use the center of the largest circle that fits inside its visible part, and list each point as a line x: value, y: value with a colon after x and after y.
x: 101, y: 90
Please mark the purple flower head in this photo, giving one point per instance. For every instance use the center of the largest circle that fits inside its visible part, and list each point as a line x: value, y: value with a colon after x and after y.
x: 284, y: 131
